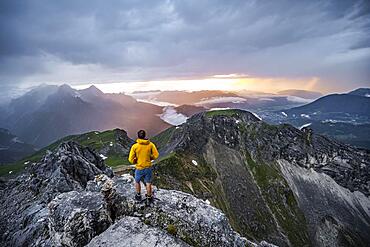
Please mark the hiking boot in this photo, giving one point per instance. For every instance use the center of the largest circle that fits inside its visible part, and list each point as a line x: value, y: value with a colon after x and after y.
x: 149, y: 199
x: 138, y: 197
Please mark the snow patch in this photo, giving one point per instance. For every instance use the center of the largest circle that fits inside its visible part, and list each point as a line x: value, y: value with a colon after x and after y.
x: 367, y: 95
x: 194, y: 162
x: 255, y: 114
x: 103, y: 156
x: 16, y: 140
x: 111, y: 144
x: 284, y: 114
x: 10, y: 172
x: 305, y: 125
x: 305, y: 116
x: 208, y: 202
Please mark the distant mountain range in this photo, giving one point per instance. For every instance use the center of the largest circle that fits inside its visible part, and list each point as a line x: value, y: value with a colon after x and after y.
x: 345, y: 117
x: 339, y: 105
x: 361, y: 92
x: 301, y: 93
x: 248, y: 100
x: 48, y: 113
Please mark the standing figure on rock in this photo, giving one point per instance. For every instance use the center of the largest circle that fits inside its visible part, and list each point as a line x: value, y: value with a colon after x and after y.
x: 141, y: 154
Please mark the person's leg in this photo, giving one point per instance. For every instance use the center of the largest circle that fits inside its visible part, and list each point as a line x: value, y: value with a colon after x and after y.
x: 149, y: 189
x: 148, y: 180
x: 138, y: 176
x: 138, y: 187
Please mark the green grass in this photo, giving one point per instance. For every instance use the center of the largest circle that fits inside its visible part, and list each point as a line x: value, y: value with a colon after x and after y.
x: 174, y: 170
x: 227, y: 112
x: 15, y: 168
x: 281, y: 201
x: 115, y: 160
x: 163, y: 138
x: 94, y: 139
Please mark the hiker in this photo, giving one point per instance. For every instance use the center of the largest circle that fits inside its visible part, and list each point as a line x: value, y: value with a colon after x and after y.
x: 141, y: 154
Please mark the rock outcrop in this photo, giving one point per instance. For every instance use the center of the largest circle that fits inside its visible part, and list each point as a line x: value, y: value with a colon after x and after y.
x: 23, y: 202
x: 274, y: 182
x: 71, y: 198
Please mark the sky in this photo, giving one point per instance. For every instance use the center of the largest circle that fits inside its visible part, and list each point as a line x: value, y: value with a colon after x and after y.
x: 191, y: 45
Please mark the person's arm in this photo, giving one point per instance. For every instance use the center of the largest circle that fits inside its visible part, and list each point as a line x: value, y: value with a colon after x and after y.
x: 132, y: 156
x: 155, y: 153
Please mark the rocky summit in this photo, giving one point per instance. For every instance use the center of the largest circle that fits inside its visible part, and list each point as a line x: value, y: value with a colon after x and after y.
x: 70, y: 198
x: 277, y: 183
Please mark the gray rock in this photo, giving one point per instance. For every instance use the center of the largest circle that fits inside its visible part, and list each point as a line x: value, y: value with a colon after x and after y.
x: 131, y: 231
x: 192, y: 220
x: 75, y: 218
x: 23, y: 200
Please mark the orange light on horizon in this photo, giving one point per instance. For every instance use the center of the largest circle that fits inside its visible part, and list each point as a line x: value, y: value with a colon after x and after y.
x: 231, y: 82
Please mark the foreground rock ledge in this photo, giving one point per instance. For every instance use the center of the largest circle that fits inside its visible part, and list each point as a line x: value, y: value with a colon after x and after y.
x: 176, y: 219
x: 70, y: 198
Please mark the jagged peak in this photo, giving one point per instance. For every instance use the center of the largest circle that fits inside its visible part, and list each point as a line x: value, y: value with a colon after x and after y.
x: 232, y: 114
x: 92, y: 90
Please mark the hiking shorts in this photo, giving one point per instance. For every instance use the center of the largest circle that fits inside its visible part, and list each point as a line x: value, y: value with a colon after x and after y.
x: 146, y: 173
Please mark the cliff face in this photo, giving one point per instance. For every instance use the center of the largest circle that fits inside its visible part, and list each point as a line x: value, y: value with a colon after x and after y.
x: 70, y: 198
x: 290, y: 187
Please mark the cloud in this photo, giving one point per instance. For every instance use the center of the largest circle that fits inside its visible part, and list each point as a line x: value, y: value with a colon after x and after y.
x: 216, y: 100
x: 171, y: 116
x: 100, y: 41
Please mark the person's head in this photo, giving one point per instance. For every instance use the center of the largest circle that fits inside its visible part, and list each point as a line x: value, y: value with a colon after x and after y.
x: 141, y: 134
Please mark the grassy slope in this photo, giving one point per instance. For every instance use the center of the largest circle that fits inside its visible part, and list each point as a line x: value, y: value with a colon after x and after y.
x: 280, y: 200
x: 94, y: 139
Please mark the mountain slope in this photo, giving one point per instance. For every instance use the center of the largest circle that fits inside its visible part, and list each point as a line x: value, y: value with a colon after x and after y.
x: 301, y: 93
x: 335, y: 106
x: 11, y: 148
x: 361, y: 92
x: 273, y: 182
x: 48, y: 113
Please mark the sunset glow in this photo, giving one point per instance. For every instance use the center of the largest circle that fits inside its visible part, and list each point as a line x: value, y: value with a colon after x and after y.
x: 232, y: 82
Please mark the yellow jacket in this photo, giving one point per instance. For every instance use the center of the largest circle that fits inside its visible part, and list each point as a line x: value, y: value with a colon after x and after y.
x: 142, y: 153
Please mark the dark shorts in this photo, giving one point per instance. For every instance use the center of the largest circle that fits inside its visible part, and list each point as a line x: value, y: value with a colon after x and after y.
x: 146, y: 173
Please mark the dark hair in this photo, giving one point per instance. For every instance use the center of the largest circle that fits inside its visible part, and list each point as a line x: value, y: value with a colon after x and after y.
x: 141, y: 134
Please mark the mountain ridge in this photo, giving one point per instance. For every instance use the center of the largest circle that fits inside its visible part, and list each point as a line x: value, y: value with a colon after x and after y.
x: 254, y: 156
x: 82, y: 199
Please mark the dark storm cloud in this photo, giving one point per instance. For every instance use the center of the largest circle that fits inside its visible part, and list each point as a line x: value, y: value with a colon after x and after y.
x: 134, y: 40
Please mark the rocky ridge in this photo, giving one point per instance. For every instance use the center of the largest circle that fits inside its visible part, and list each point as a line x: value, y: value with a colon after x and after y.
x: 288, y: 186
x: 70, y: 198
